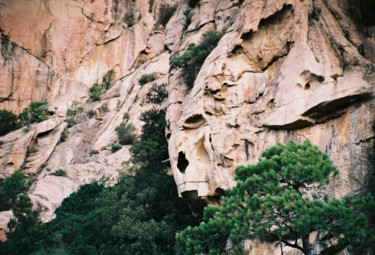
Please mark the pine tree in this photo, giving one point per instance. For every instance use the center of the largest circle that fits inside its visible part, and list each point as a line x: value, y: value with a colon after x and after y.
x: 282, y: 199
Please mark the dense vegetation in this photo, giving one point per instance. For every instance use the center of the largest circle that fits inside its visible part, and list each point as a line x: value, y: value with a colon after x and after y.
x: 281, y: 199
x: 156, y: 95
x: 10, y: 188
x: 36, y: 112
x: 192, y: 60
x: 138, y: 215
x: 126, y: 134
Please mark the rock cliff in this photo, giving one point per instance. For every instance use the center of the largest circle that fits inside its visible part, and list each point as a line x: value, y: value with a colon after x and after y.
x: 283, y: 70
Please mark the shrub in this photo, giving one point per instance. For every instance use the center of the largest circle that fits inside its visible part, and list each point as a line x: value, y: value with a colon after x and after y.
x: 126, y: 116
x: 59, y: 172
x: 188, y: 17
x: 95, y: 92
x: 129, y: 18
x: 146, y: 78
x: 192, y: 60
x: 35, y: 113
x: 94, y: 152
x: 91, y: 113
x: 71, y: 122
x: 169, y: 13
x: 157, y: 94
x: 63, y: 137
x: 15, y: 185
x: 115, y: 147
x: 8, y: 122
x: 126, y: 133
x: 108, y: 78
x: 71, y: 112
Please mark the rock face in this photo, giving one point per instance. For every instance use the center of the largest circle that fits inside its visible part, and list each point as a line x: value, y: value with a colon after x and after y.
x: 283, y: 70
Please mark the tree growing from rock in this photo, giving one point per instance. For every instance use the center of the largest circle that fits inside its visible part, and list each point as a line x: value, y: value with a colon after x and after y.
x: 282, y: 199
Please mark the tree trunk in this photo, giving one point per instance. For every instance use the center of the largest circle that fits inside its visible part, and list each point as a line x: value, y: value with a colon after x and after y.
x: 306, y: 244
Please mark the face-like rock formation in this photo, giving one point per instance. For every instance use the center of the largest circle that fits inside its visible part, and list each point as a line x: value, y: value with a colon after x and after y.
x: 284, y: 70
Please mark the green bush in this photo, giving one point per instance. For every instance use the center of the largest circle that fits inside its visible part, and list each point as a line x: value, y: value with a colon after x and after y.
x: 169, y: 13
x: 71, y: 122
x: 10, y: 189
x: 35, y: 113
x: 156, y: 95
x: 282, y: 198
x: 192, y: 60
x: 188, y: 15
x: 91, y: 113
x: 59, y: 172
x: 126, y: 116
x: 115, y: 147
x: 8, y: 122
x: 71, y: 112
x: 146, y: 78
x: 126, y: 133
x: 129, y: 18
x: 96, y: 92
x: 63, y: 137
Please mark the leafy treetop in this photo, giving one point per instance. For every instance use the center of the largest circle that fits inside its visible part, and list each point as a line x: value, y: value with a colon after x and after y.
x: 281, y: 199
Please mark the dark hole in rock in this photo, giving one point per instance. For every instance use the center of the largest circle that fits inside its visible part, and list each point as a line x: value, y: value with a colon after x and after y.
x: 182, y: 163
x: 307, y: 86
x: 194, y: 121
x: 196, y: 203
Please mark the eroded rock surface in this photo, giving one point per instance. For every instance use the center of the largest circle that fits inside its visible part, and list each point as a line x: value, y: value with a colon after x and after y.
x: 283, y: 70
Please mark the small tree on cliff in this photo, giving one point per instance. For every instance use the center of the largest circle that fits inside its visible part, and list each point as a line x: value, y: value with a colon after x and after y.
x: 281, y: 199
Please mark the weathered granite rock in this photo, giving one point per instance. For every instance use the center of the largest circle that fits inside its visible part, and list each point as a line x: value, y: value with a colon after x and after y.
x: 284, y: 69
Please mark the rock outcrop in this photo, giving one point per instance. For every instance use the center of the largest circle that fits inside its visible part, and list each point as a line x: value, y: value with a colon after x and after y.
x: 283, y: 70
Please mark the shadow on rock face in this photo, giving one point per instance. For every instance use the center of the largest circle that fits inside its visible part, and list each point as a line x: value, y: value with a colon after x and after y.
x: 197, y: 204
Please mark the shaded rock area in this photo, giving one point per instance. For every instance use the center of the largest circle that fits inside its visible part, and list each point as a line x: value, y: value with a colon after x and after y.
x: 283, y: 70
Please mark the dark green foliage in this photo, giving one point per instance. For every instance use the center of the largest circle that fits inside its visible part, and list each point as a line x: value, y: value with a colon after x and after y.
x: 11, y: 188
x: 367, y: 8
x: 91, y: 113
x: 193, y: 3
x: 115, y: 147
x: 192, y: 60
x: 129, y: 18
x: 63, y: 137
x: 169, y: 13
x: 25, y: 228
x: 126, y: 134
x: 36, y: 112
x: 156, y: 95
x: 95, y: 92
x: 188, y: 16
x: 71, y: 122
x: 138, y: 215
x: 108, y: 78
x: 146, y: 78
x: 270, y: 202
x: 59, y: 172
x: 8, y: 122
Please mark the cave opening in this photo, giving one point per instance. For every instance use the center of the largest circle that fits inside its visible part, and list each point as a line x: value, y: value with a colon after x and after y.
x: 182, y: 162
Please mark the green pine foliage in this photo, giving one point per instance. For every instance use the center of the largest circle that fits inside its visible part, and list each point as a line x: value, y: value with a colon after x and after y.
x: 282, y: 199
x: 8, y: 122
x: 11, y: 188
x: 115, y: 147
x: 367, y: 8
x: 138, y: 215
x: 192, y: 60
x: 35, y: 113
x: 126, y: 134
x: 168, y: 14
x: 146, y: 78
x: 156, y: 95
x: 96, y: 91
x: 193, y: 3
